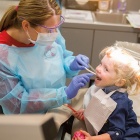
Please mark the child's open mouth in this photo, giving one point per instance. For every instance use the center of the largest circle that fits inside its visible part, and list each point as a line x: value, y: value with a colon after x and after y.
x: 98, y: 78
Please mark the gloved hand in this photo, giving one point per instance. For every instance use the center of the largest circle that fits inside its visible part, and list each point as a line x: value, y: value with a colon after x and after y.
x: 79, y: 63
x: 77, y: 82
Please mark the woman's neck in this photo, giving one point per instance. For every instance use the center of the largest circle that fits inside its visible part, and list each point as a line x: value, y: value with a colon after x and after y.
x: 19, y: 35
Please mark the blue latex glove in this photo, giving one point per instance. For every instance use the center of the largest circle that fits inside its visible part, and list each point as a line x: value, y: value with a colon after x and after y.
x: 79, y: 63
x: 77, y: 82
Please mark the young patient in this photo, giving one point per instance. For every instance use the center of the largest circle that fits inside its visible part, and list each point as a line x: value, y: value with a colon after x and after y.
x: 107, y: 111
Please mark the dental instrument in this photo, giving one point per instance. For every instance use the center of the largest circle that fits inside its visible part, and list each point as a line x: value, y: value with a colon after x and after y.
x: 92, y: 68
x: 90, y: 71
x: 67, y: 105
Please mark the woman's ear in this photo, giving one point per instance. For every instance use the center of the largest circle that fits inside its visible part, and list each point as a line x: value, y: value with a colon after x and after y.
x: 120, y: 83
x: 25, y: 25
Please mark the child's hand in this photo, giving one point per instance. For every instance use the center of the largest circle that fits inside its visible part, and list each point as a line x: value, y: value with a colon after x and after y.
x: 78, y: 135
x: 79, y: 114
x: 82, y: 135
x: 87, y: 135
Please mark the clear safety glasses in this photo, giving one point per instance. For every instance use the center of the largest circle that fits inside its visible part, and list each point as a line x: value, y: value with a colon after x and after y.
x: 54, y: 28
x: 51, y: 29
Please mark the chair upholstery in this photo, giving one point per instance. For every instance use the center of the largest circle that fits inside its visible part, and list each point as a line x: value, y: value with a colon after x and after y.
x: 133, y: 48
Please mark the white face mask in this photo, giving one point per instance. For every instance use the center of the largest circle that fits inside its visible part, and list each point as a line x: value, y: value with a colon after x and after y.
x: 44, y: 38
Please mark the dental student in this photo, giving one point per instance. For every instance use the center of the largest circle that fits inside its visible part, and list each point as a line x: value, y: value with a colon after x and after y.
x: 34, y: 62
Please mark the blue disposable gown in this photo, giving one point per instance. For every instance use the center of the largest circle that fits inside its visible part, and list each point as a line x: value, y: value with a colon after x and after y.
x: 32, y: 79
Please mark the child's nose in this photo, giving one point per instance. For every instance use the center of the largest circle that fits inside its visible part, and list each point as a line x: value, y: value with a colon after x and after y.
x: 98, y: 69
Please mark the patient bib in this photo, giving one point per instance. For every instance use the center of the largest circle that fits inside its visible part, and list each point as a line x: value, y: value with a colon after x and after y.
x: 98, y: 110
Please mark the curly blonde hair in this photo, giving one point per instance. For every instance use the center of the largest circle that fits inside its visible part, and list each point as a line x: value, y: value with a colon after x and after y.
x: 126, y: 67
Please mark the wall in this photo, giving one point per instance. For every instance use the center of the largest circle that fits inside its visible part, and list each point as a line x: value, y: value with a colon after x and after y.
x: 133, y: 5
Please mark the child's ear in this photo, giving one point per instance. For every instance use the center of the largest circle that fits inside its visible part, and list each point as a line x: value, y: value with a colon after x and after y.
x: 120, y: 83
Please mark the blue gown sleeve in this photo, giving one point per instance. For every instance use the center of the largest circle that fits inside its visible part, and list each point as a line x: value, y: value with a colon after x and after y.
x: 15, y: 99
x: 68, y: 56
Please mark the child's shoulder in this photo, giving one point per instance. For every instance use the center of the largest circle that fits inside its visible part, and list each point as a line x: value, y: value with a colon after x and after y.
x: 121, y: 97
x: 121, y: 94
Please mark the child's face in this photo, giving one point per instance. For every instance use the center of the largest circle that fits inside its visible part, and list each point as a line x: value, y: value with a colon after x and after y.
x: 105, y: 73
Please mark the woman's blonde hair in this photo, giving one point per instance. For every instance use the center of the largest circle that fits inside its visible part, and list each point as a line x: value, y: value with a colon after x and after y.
x: 126, y: 67
x: 34, y: 11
